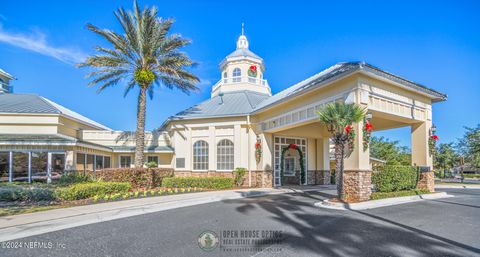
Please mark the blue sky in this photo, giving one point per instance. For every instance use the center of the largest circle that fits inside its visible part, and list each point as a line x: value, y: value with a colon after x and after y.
x: 435, y: 43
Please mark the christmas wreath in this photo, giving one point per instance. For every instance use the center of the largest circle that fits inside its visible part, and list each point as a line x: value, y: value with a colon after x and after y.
x: 252, y: 71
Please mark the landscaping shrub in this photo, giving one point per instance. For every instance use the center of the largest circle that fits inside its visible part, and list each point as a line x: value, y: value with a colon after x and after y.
x: 207, y: 182
x: 87, y: 190
x: 383, y: 195
x: 26, y: 192
x: 137, y: 177
x: 239, y: 176
x: 73, y: 177
x: 389, y: 178
x: 471, y: 175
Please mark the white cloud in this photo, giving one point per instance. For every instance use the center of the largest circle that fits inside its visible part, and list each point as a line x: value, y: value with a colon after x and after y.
x: 37, y: 42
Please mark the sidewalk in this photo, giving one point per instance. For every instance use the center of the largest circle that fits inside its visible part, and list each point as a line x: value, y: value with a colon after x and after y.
x: 24, y: 225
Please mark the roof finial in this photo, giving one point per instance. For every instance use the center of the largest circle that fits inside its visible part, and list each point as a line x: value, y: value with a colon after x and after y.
x: 243, y: 28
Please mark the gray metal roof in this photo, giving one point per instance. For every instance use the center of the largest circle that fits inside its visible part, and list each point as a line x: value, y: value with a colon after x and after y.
x: 339, y: 70
x: 35, y: 138
x: 233, y: 104
x: 30, y: 103
x: 243, y: 52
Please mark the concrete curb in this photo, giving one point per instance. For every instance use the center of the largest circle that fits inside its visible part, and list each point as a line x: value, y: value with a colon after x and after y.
x: 25, y: 225
x: 472, y: 186
x: 380, y: 203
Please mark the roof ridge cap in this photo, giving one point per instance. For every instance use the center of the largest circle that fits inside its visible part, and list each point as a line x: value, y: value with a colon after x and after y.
x: 48, y: 101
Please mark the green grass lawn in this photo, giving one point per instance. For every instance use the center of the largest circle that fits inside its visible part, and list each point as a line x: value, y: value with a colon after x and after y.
x: 14, y: 210
x: 383, y: 195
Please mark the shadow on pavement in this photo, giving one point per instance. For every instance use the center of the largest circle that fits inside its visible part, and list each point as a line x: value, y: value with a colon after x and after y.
x: 347, y: 233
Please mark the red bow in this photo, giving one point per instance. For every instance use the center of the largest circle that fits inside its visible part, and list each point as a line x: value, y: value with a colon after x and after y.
x: 257, y: 145
x: 253, y: 68
x: 293, y: 146
x: 368, y: 127
x: 348, y: 128
x: 435, y: 137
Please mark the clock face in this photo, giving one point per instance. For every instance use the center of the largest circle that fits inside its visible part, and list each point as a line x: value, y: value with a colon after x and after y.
x: 252, y: 71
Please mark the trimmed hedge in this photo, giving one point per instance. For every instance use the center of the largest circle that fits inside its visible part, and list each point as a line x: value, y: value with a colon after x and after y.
x: 31, y: 193
x: 87, y: 190
x: 73, y: 177
x: 390, y: 178
x: 207, y: 182
x: 137, y: 177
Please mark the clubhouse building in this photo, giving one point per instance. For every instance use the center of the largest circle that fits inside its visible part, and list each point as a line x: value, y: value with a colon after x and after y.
x: 242, y: 124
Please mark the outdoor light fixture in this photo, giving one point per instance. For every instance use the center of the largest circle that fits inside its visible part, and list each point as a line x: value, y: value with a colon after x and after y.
x: 221, y: 97
x: 434, y: 128
x: 368, y: 116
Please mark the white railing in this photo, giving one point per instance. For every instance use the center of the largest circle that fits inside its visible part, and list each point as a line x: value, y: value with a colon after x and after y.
x: 245, y: 79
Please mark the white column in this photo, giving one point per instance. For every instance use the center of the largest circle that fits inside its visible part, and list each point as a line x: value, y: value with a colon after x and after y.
x: 237, y: 146
x: 49, y: 168
x: 326, y: 153
x: 420, y: 150
x: 70, y: 160
x: 10, y: 167
x: 29, y: 167
x: 212, y: 149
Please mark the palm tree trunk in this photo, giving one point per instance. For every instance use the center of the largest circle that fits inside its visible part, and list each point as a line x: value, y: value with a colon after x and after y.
x: 140, y: 132
x: 339, y: 168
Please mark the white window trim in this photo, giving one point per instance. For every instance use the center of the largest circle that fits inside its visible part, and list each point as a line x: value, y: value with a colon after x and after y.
x: 216, y: 155
x: 193, y: 156
x: 120, y: 160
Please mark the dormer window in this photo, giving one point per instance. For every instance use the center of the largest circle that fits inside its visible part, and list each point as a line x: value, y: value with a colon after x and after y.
x: 236, y: 75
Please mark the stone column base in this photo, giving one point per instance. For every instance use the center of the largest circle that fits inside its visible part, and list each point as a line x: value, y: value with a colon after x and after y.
x: 426, y: 181
x: 357, y: 185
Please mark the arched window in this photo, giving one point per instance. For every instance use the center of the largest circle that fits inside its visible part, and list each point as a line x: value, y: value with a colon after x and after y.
x: 225, y: 155
x: 200, y: 155
x: 237, y: 74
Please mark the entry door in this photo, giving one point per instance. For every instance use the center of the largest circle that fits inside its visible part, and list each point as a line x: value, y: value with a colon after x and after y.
x: 289, y: 166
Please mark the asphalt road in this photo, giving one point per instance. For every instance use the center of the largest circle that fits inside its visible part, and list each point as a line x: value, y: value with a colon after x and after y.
x: 290, y: 224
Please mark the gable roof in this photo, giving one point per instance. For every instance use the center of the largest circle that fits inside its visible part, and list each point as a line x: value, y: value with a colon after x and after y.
x: 234, y: 103
x: 29, y: 103
x: 5, y: 74
x: 340, y: 70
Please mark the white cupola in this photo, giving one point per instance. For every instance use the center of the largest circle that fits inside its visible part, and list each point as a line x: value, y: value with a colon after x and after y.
x: 242, y: 70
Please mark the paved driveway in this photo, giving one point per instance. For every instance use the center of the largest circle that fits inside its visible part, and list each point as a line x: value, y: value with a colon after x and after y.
x: 444, y: 227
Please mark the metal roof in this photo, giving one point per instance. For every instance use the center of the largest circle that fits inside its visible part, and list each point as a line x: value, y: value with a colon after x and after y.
x: 5, y: 74
x: 339, y: 70
x: 243, y: 52
x: 30, y: 103
x: 35, y: 138
x: 231, y: 104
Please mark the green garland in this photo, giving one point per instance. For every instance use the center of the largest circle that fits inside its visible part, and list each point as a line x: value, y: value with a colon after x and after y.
x: 302, y: 165
x: 367, y: 133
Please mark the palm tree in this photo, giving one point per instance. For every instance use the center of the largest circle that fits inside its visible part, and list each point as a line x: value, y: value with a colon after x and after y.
x: 144, y: 55
x: 339, y: 118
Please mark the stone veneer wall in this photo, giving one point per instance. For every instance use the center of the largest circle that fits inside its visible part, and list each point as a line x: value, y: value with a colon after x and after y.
x: 318, y: 177
x: 357, y: 185
x: 426, y: 181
